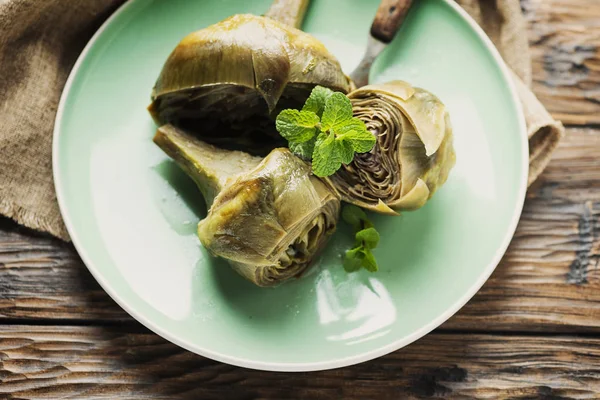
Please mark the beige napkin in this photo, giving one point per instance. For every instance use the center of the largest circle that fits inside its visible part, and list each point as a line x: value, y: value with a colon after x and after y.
x: 41, y: 39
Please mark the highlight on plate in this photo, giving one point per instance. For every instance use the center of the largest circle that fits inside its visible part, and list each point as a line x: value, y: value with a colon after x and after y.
x: 276, y: 136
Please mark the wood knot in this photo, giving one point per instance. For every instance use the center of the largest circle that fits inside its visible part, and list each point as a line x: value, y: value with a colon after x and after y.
x: 578, y: 269
x: 430, y: 384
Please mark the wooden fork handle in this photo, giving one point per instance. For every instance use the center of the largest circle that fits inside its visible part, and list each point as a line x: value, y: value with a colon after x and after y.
x: 389, y: 17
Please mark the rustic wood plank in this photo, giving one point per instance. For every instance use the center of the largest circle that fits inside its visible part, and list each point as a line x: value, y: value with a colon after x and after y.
x: 549, y: 279
x: 43, y: 278
x: 113, y: 363
x: 565, y: 38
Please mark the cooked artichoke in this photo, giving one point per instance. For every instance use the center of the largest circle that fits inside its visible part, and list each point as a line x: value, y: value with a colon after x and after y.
x: 413, y: 154
x: 228, y: 81
x: 268, y: 217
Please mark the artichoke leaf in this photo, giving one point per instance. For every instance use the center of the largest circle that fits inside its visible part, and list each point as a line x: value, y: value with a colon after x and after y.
x: 413, y: 154
x: 269, y: 217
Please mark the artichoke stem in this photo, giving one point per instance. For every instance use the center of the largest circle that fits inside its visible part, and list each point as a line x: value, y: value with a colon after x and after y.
x: 288, y: 12
x: 209, y: 166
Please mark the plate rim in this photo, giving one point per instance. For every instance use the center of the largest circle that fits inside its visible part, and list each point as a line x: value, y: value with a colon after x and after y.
x: 290, y: 366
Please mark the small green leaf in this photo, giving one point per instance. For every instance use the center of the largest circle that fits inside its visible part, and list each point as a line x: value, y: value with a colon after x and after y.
x: 317, y: 99
x: 346, y: 150
x: 354, y: 124
x: 353, y: 259
x: 369, y: 237
x: 338, y: 109
x: 326, y: 157
x: 362, y: 142
x: 297, y: 126
x: 369, y: 262
x: 357, y: 134
x: 354, y: 216
x: 304, y: 150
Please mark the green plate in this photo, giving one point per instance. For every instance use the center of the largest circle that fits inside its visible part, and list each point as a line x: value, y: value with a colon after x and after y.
x: 132, y: 213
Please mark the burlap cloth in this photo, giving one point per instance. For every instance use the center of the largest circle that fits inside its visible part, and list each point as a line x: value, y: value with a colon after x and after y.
x: 41, y: 39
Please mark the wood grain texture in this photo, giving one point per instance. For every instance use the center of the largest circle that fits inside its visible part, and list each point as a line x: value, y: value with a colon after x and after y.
x: 43, y: 278
x: 113, y: 363
x: 548, y: 280
x: 565, y: 39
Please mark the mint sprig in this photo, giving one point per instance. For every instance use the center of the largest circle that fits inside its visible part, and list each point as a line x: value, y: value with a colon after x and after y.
x: 297, y: 126
x: 325, y: 131
x: 366, y: 238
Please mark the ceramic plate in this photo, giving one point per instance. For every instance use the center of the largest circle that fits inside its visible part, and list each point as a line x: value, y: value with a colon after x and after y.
x: 132, y: 213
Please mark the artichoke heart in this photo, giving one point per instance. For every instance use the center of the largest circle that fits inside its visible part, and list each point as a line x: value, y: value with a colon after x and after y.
x: 413, y: 154
x: 226, y: 82
x: 268, y: 217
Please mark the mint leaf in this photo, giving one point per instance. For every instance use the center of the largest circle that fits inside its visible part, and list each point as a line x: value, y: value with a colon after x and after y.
x: 316, y: 101
x: 353, y: 124
x: 357, y: 134
x: 338, y: 109
x: 303, y: 150
x: 353, y: 259
x: 369, y: 262
x: 361, y: 141
x: 358, y: 257
x: 368, y: 237
x: 354, y: 216
x: 346, y: 150
x: 326, y: 157
x: 297, y: 126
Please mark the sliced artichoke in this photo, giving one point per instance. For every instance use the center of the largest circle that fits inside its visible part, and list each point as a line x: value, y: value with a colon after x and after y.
x: 413, y: 154
x: 268, y: 217
x: 227, y: 82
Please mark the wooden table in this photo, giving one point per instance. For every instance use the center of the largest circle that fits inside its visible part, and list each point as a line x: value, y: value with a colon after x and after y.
x: 533, y: 331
